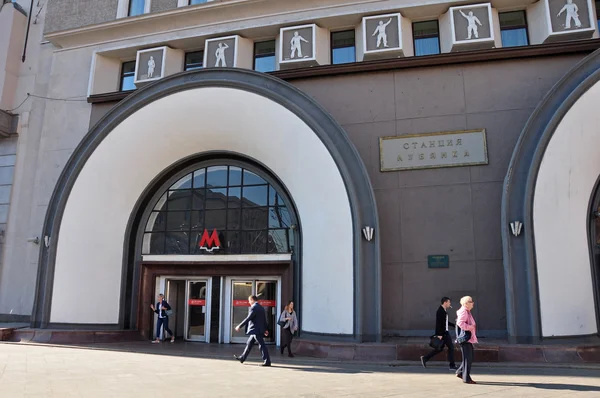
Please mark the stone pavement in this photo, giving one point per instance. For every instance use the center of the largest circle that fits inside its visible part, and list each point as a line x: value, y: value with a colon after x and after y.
x: 166, y: 371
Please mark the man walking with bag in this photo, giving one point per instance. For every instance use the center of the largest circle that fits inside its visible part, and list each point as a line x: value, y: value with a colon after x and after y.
x: 442, y: 333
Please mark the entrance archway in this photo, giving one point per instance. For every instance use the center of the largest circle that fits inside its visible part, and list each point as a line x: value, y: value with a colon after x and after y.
x: 194, y: 113
x: 550, y: 180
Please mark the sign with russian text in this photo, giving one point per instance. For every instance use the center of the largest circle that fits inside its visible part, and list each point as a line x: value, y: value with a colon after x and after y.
x: 438, y: 261
x: 433, y: 150
x: 196, y: 302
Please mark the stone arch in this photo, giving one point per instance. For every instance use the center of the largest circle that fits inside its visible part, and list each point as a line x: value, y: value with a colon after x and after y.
x: 234, y: 86
x: 522, y: 185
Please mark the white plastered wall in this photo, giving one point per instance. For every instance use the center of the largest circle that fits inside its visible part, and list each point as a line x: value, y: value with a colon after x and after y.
x: 568, y: 172
x: 90, y: 245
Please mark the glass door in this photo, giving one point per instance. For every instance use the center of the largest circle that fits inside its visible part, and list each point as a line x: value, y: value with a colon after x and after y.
x: 240, y: 290
x: 197, y: 308
x: 266, y: 291
x: 267, y: 294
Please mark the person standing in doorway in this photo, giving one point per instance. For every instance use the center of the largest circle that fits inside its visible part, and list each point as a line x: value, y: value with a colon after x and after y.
x: 256, y: 327
x: 466, y: 323
x: 442, y: 332
x: 163, y: 318
x: 289, y: 322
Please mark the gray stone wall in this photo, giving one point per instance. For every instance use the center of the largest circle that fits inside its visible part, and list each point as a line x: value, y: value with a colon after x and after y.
x: 69, y: 14
x: 162, y: 5
x: 8, y: 154
x: 453, y: 211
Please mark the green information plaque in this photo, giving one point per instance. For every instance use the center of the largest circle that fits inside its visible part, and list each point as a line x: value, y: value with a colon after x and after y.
x: 438, y: 261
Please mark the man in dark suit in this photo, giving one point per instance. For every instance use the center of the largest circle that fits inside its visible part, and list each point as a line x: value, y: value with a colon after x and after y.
x: 442, y: 333
x: 256, y: 327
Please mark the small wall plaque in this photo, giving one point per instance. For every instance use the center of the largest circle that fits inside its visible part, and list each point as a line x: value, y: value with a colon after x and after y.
x: 433, y: 150
x: 438, y: 261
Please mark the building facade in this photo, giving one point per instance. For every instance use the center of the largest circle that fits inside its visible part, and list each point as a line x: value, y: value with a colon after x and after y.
x: 361, y: 159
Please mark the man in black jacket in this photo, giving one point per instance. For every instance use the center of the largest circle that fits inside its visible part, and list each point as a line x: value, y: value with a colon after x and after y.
x: 256, y: 328
x: 442, y: 333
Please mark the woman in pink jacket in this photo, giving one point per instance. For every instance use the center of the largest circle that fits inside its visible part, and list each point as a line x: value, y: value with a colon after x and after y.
x: 466, y: 322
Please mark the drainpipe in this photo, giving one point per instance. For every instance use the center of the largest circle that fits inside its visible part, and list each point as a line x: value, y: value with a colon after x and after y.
x: 27, y: 33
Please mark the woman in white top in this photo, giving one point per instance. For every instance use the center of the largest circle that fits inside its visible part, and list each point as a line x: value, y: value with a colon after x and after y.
x: 289, y: 328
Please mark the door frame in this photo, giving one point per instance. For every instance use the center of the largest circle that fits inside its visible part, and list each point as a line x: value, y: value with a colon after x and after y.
x: 162, y: 286
x: 151, y: 271
x: 227, y: 308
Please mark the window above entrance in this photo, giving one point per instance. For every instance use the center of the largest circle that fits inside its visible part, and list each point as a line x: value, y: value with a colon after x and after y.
x: 219, y: 209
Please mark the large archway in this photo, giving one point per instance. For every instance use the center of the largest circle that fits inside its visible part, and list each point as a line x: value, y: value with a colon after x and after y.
x: 549, y: 187
x: 196, y: 113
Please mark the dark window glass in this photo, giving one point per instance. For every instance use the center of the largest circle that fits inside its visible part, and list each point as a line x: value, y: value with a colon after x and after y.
x: 136, y: 7
x: 177, y: 243
x: 127, y: 76
x: 343, y: 47
x: 198, y: 199
x: 254, y: 196
x: 178, y: 221
x: 426, y: 36
x: 183, y: 183
x: 278, y: 241
x: 235, y: 176
x: 179, y: 200
x: 254, y: 242
x: 216, y: 177
x: 154, y: 243
x: 156, y: 221
x: 264, y: 56
x: 598, y: 12
x: 233, y: 219
x: 234, y: 197
x: 252, y: 179
x: 215, y: 219
x: 279, y: 218
x: 255, y: 218
x: 513, y: 29
x: 216, y: 198
x: 247, y: 213
x: 197, y: 220
x: 194, y: 60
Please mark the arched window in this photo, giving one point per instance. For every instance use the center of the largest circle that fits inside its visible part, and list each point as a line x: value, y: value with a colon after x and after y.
x: 220, y: 209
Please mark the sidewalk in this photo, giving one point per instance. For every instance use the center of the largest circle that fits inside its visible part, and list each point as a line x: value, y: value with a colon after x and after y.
x: 141, y: 369
x: 395, y: 350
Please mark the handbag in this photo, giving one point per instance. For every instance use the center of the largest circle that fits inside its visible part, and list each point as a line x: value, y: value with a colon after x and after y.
x: 436, y: 343
x: 463, y: 337
x: 169, y: 312
x: 281, y: 322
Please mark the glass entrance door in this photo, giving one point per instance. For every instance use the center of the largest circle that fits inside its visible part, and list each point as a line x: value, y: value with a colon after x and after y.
x: 267, y: 294
x: 266, y: 291
x: 197, y: 305
x: 240, y: 290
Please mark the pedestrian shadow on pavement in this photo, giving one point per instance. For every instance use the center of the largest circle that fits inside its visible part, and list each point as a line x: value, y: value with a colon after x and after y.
x: 543, y: 386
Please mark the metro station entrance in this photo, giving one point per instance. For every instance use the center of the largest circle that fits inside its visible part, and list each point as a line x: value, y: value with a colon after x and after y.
x: 207, y: 309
